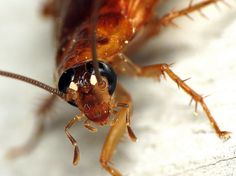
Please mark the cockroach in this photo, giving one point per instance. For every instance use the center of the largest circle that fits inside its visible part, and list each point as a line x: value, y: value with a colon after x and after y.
x: 92, y: 43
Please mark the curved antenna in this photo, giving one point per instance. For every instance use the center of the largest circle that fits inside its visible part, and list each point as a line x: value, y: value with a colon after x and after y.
x: 94, y: 19
x: 33, y: 82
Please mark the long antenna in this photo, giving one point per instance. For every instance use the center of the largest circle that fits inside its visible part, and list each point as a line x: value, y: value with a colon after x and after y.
x: 94, y: 19
x: 33, y: 82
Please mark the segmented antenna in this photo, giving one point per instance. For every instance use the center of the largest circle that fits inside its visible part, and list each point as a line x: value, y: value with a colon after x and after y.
x: 33, y: 82
x: 94, y: 19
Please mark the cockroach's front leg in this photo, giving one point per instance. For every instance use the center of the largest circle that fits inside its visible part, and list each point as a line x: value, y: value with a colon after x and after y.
x: 76, y: 157
x: 158, y: 70
x: 116, y: 132
x: 41, y: 115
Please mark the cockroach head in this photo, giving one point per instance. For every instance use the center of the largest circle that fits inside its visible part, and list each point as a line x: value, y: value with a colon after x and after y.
x: 82, y: 89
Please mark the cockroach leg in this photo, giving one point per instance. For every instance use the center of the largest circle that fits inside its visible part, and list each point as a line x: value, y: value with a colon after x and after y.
x: 165, y: 68
x: 129, y: 129
x: 158, y: 70
x: 41, y: 113
x: 154, y: 25
x: 89, y: 126
x: 168, y: 18
x: 116, y: 132
x: 128, y: 67
x: 76, y: 157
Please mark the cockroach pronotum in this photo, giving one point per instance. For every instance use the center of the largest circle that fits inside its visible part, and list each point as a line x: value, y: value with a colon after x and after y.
x: 93, y: 43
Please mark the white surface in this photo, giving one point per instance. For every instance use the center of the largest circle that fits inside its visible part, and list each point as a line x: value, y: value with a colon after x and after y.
x: 172, y: 141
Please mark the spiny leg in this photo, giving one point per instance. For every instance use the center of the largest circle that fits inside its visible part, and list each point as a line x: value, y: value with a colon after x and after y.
x: 155, y: 24
x: 116, y: 132
x: 165, y: 68
x: 76, y: 157
x: 156, y: 71
x: 197, y: 7
x: 41, y: 115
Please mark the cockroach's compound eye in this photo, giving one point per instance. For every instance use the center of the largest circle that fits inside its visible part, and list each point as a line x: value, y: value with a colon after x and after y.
x: 107, y: 72
x: 66, y: 80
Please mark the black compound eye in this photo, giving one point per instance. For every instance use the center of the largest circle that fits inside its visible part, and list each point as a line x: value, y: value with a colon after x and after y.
x: 107, y: 72
x: 65, y: 80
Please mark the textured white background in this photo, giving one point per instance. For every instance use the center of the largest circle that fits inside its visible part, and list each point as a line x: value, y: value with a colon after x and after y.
x: 172, y: 141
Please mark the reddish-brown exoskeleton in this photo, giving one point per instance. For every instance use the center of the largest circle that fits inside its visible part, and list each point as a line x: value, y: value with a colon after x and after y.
x: 92, y: 39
